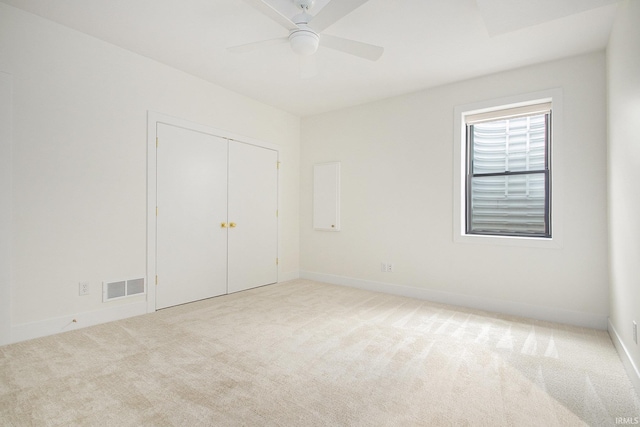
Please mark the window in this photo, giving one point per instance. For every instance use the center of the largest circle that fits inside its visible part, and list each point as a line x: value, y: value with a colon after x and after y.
x: 508, y: 175
x: 548, y: 102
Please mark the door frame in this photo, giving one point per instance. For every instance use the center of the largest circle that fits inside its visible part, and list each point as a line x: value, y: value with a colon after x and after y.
x: 153, y: 118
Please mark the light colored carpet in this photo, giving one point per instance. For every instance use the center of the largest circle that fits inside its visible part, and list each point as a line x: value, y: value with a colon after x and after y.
x: 303, y: 353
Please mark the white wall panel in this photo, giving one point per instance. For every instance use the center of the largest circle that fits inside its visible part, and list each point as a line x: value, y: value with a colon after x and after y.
x: 326, y: 196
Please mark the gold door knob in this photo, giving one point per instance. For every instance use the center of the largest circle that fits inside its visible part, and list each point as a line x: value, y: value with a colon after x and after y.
x: 223, y: 225
x: 232, y: 224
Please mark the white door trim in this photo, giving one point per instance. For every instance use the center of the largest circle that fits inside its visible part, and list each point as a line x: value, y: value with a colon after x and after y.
x: 6, y: 201
x: 153, y: 118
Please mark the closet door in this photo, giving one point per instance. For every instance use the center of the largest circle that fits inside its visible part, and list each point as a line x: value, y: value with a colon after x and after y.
x: 191, y: 252
x: 253, y: 204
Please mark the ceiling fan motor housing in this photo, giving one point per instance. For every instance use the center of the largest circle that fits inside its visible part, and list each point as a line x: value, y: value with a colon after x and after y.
x: 304, y: 41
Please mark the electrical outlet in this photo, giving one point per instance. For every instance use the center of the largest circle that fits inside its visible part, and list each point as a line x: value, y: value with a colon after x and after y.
x: 635, y: 332
x: 390, y: 268
x: 83, y: 288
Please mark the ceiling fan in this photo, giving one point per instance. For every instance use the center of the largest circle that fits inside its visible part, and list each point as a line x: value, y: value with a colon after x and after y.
x: 304, y: 29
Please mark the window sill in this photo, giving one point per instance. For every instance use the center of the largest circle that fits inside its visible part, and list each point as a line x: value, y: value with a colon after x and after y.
x: 530, y: 242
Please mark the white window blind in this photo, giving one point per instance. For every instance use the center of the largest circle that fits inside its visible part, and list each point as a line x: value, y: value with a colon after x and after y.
x: 508, y: 113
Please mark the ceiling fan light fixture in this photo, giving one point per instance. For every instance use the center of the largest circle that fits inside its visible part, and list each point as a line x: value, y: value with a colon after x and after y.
x: 303, y: 39
x: 304, y: 42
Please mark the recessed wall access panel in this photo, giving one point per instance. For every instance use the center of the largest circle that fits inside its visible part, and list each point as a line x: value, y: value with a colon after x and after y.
x: 326, y: 196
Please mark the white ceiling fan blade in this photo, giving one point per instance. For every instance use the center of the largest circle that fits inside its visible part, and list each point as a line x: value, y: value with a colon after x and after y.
x: 272, y: 13
x: 333, y: 11
x: 248, y: 47
x: 352, y: 47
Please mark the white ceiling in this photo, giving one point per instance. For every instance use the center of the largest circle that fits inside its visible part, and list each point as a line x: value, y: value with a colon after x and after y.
x: 427, y: 42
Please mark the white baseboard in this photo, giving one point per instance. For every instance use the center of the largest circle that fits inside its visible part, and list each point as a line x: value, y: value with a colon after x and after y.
x: 632, y: 370
x: 289, y: 275
x: 42, y: 328
x: 550, y: 314
x: 27, y: 331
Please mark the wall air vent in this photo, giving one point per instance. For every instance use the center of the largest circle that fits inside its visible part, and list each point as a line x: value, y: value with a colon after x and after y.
x: 122, y: 288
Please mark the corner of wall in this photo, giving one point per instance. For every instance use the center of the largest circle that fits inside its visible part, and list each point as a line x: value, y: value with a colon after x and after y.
x: 6, y: 198
x: 632, y: 370
x: 289, y: 275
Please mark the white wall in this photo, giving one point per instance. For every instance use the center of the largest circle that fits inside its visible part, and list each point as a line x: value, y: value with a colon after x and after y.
x: 397, y: 200
x: 79, y: 163
x: 623, y: 55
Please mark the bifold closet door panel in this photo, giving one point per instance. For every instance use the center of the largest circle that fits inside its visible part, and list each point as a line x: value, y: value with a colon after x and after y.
x: 253, y: 204
x: 191, y: 252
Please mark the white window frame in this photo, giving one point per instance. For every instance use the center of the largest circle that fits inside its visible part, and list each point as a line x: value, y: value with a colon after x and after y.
x: 459, y: 170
